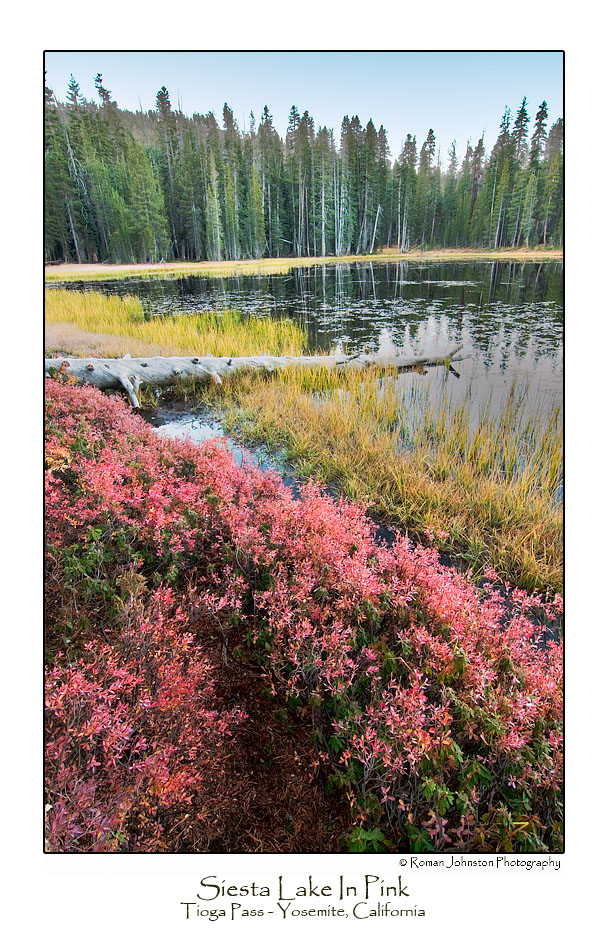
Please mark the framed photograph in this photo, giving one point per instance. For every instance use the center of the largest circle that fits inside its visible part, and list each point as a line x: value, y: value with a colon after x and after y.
x: 303, y: 491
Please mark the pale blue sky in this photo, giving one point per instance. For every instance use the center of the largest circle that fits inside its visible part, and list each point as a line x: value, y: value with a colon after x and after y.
x: 458, y: 94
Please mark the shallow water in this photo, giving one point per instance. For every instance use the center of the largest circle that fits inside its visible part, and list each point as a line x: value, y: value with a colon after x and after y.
x: 508, y: 316
x: 174, y: 421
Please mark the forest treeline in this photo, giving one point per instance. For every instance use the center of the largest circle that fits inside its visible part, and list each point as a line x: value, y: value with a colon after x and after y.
x: 125, y: 186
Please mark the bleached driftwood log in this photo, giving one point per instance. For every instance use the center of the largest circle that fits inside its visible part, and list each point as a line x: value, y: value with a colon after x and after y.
x: 128, y: 373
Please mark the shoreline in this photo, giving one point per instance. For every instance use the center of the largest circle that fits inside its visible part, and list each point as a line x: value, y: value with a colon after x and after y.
x: 510, y: 524
x: 281, y: 265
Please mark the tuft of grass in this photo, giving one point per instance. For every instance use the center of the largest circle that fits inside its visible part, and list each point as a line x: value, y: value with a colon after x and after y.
x: 118, y: 325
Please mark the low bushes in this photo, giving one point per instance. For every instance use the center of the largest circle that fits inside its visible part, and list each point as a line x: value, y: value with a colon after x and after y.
x: 135, y: 743
x: 436, y: 710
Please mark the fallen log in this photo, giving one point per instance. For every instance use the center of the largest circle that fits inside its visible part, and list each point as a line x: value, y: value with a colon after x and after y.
x: 128, y: 373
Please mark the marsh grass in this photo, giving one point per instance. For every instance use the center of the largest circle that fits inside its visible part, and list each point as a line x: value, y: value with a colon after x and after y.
x: 280, y: 265
x: 489, y: 477
x: 125, y: 328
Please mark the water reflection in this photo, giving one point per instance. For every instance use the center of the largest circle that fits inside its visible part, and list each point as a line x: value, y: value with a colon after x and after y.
x: 172, y: 422
x: 507, y: 315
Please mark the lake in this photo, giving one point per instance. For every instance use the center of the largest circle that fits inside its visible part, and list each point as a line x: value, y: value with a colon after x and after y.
x: 507, y: 315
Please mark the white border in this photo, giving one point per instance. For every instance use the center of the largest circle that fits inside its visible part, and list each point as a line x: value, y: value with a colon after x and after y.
x: 124, y: 901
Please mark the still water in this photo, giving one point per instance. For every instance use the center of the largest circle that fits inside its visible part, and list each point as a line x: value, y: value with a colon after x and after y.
x: 508, y: 316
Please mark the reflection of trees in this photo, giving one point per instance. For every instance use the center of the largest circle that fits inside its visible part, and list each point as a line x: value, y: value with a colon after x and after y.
x: 512, y: 306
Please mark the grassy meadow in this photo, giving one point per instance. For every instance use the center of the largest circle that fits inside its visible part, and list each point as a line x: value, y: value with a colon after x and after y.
x: 282, y: 265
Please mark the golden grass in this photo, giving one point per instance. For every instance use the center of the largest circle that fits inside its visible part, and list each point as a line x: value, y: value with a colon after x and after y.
x: 108, y: 325
x: 489, y: 480
x: 283, y: 265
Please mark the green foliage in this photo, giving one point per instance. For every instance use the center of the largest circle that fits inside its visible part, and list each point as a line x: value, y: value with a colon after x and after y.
x: 124, y: 187
x: 360, y: 840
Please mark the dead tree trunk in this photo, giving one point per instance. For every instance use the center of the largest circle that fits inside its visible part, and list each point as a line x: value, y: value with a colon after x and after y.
x: 128, y: 373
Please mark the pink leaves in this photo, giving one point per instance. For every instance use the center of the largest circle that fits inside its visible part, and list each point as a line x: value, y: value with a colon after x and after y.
x: 418, y: 678
x: 136, y: 718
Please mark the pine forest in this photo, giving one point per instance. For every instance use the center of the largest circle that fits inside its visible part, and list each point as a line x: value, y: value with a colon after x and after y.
x: 125, y: 187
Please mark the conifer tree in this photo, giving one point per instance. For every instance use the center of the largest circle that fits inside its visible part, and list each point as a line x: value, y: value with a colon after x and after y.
x: 258, y: 230
x: 449, y: 209
x: 404, y: 191
x: 520, y: 135
x: 324, y: 194
x: 62, y: 224
x: 368, y: 198
x: 552, y: 172
x: 539, y: 137
x: 383, y: 190
x: 273, y: 184
x: 124, y: 186
x: 464, y: 194
x: 425, y: 191
x: 167, y: 157
x: 213, y: 217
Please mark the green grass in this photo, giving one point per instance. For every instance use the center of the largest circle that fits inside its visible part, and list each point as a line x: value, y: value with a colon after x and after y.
x: 122, y: 322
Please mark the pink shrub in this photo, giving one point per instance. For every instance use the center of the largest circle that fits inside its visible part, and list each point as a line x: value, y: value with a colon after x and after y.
x: 436, y: 708
x: 134, y: 742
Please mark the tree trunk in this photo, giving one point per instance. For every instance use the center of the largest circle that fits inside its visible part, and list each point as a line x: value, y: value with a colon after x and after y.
x: 323, y: 254
x: 128, y: 373
x: 371, y: 247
